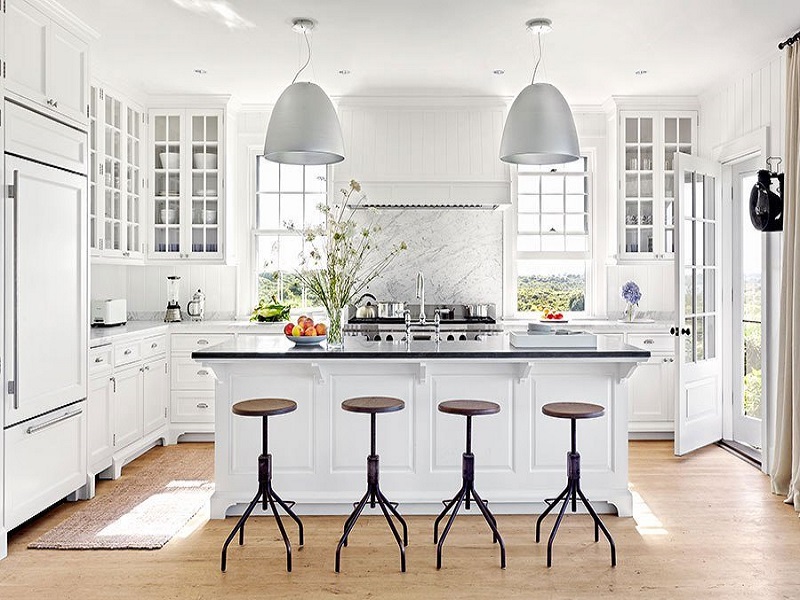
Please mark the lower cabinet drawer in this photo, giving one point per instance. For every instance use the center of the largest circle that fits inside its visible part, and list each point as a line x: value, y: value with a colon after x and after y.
x: 127, y: 353
x: 190, y: 375
x: 193, y: 407
x: 154, y: 346
x: 188, y: 342
x: 45, y: 460
x: 100, y: 360
x: 655, y: 342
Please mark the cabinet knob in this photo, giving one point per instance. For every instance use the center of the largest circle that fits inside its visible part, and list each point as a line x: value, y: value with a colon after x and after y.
x: 127, y: 352
x: 99, y: 359
x: 55, y: 103
x: 154, y: 345
x: 202, y: 405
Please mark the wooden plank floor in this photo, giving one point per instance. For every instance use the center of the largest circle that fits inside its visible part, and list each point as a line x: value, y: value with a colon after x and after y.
x: 705, y: 526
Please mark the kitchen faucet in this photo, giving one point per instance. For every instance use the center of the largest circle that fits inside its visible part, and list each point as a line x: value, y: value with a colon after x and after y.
x: 421, y: 296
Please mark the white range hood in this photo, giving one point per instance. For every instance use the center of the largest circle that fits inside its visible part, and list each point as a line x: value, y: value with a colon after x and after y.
x: 424, y: 152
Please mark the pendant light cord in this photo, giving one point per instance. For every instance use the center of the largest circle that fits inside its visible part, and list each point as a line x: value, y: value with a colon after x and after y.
x: 538, y: 60
x: 308, y: 60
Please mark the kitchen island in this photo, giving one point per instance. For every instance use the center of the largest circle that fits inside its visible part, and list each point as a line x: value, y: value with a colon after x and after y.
x: 320, y: 451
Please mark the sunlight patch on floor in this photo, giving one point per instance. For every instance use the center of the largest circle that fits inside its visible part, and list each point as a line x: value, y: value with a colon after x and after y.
x: 647, y: 523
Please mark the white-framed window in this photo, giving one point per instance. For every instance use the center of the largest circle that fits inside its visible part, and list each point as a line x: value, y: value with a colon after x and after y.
x: 551, y: 249
x: 285, y: 196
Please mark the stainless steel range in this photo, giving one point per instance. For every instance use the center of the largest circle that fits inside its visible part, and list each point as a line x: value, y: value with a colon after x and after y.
x: 455, y: 323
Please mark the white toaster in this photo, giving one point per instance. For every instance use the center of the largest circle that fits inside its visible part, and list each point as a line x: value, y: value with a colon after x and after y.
x: 112, y: 311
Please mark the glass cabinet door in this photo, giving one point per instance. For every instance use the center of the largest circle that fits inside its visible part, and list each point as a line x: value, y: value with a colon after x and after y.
x: 678, y: 137
x: 205, y: 131
x: 167, y: 137
x: 638, y: 184
x: 133, y: 178
x: 112, y: 173
x: 94, y: 244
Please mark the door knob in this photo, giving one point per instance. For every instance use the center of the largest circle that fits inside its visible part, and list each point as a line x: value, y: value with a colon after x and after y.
x: 686, y: 331
x: 674, y: 331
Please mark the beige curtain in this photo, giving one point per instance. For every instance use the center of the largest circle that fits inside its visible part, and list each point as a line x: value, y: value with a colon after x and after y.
x: 786, y: 464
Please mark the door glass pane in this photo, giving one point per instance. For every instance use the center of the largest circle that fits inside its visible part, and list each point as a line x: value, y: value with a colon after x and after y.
x: 751, y: 306
x: 688, y: 341
x: 709, y: 300
x: 700, y: 339
x: 688, y: 293
x: 710, y: 341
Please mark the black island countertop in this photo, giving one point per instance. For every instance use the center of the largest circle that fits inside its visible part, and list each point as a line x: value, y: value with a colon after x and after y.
x: 493, y: 347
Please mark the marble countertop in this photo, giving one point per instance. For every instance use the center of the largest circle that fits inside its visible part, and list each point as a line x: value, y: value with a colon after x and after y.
x: 99, y: 336
x: 596, y: 325
x: 494, y: 347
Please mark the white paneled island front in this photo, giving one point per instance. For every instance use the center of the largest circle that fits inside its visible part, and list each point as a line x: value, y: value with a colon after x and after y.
x: 319, y: 451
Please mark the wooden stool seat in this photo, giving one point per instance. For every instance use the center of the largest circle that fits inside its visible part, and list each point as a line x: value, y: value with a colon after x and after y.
x: 264, y: 407
x: 469, y: 408
x: 573, y: 410
x: 373, y: 404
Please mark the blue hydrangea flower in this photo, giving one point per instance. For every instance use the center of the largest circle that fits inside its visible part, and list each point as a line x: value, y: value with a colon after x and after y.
x: 631, y: 293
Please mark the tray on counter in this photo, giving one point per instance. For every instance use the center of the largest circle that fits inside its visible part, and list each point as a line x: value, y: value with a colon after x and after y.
x: 556, y: 339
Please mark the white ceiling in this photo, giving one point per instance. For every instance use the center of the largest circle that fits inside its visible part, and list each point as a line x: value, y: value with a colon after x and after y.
x: 440, y: 47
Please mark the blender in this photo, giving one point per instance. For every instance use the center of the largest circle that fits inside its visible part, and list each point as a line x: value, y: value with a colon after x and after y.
x: 173, y: 313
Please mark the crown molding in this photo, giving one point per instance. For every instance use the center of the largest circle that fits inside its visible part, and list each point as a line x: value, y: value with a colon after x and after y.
x: 67, y: 18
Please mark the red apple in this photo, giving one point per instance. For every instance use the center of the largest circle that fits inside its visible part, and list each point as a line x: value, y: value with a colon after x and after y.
x: 288, y: 329
x: 310, y: 331
x: 321, y: 329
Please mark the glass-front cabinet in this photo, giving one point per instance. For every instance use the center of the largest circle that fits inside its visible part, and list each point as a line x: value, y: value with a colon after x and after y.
x: 648, y: 142
x: 187, y: 184
x: 115, y: 177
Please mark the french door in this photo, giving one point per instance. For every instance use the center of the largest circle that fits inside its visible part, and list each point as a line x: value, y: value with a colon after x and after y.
x: 698, y: 202
x: 748, y: 255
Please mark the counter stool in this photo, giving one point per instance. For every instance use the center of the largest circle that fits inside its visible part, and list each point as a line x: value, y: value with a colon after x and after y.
x: 265, y: 408
x: 469, y: 409
x: 374, y: 405
x: 573, y: 411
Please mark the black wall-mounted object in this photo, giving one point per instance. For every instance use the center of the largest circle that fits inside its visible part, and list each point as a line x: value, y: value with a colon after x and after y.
x: 766, y: 204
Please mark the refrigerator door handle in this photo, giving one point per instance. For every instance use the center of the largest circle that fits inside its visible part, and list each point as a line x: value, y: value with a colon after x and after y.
x: 50, y: 423
x: 13, y: 385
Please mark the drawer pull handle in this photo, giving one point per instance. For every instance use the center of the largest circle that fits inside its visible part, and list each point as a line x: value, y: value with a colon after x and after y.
x: 202, y: 342
x: 202, y: 372
x: 127, y: 352
x: 202, y: 405
x: 154, y: 345
x: 40, y: 426
x: 649, y: 342
x: 99, y: 359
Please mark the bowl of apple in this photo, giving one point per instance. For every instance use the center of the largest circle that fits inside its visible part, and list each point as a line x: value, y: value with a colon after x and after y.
x: 305, y: 332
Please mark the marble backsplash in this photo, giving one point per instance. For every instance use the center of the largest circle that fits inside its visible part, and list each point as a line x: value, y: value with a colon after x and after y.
x: 459, y: 251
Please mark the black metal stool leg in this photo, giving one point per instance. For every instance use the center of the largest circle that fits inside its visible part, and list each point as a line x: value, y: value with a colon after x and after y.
x: 558, y: 522
x: 284, y: 535
x: 382, y: 503
x: 547, y: 511
x: 492, y: 525
x: 240, y: 528
x: 290, y: 512
x: 447, y: 506
x: 447, y: 528
x: 352, y: 521
x: 601, y: 525
x: 392, y: 506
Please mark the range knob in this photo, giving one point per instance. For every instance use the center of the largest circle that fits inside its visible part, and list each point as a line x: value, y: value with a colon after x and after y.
x: 389, y: 337
x: 377, y: 337
x: 462, y: 338
x: 450, y: 338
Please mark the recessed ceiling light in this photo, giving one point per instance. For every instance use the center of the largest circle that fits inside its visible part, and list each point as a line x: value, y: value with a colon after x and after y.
x: 640, y: 72
x: 498, y: 72
x: 200, y: 71
x: 344, y: 72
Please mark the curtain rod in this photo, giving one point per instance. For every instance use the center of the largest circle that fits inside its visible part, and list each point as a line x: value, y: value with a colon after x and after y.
x: 789, y: 41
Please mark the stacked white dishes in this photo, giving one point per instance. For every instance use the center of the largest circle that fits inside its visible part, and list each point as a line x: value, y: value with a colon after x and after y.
x: 169, y: 216
x: 204, y: 160
x: 170, y: 160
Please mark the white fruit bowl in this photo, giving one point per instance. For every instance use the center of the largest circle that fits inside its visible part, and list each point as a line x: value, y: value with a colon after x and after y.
x: 169, y: 216
x: 306, y: 340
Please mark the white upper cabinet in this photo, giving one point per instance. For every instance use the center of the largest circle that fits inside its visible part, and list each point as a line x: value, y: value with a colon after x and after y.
x: 187, y: 184
x: 645, y: 134
x: 45, y: 63
x: 116, y: 127
x: 419, y: 151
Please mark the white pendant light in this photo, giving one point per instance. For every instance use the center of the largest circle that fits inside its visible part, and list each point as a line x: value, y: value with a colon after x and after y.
x: 303, y: 128
x: 539, y: 129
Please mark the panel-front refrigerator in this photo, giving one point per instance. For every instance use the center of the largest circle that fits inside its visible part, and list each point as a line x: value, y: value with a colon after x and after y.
x: 45, y: 312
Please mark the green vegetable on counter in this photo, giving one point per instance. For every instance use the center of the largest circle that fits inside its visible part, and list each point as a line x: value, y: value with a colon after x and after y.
x: 270, y: 311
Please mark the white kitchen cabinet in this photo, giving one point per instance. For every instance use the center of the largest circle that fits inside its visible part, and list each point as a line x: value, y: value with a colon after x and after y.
x: 192, y: 384
x: 187, y: 185
x: 155, y: 390
x: 100, y: 422
x: 49, y: 461
x: 651, y: 388
x: 648, y: 143
x: 45, y: 63
x: 116, y: 127
x: 128, y: 406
